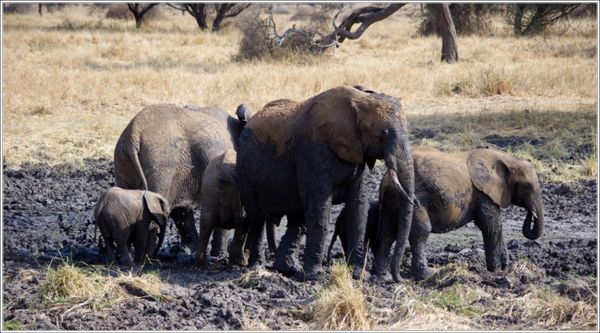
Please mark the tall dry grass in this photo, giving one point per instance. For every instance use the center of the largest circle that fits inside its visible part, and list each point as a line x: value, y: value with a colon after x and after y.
x: 73, y: 79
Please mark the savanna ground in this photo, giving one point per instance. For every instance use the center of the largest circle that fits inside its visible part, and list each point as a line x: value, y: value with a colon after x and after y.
x: 72, y: 80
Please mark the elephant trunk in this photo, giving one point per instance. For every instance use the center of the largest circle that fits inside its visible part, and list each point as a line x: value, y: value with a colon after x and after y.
x: 536, y: 213
x: 403, y: 169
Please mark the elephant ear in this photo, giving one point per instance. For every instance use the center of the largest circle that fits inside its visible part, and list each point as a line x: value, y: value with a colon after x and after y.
x: 489, y: 173
x: 157, y: 205
x: 332, y: 121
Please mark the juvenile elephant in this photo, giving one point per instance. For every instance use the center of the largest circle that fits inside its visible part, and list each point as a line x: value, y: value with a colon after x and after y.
x: 165, y: 149
x: 130, y: 216
x: 299, y: 158
x: 221, y: 207
x: 455, y: 189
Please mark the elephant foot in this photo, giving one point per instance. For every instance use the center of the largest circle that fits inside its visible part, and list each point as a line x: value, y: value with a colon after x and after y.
x: 358, y: 273
x: 383, y: 278
x: 288, y: 267
x: 422, y: 273
x: 237, y: 260
x: 310, y: 276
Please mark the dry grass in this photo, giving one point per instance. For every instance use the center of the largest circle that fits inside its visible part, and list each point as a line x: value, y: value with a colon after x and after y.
x: 72, y: 79
x: 469, y: 303
x: 252, y: 277
x: 341, y: 305
x: 69, y: 288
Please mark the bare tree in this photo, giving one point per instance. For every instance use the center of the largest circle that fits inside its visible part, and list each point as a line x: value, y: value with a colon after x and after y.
x: 225, y: 10
x: 530, y: 19
x: 200, y: 12
x: 444, y: 19
x: 139, y: 10
x: 197, y: 10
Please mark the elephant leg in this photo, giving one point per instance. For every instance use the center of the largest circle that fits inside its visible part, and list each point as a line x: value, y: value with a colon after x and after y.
x: 141, y: 240
x: 236, y: 249
x: 123, y: 250
x: 339, y: 232
x: 184, y: 221
x: 254, y: 239
x: 420, y: 230
x: 286, y: 260
x: 152, y: 241
x: 356, y: 226
x: 317, y: 215
x: 272, y: 223
x: 207, y: 227
x: 489, y: 221
x: 385, y: 237
x: 220, y: 239
x: 161, y: 237
x: 110, y: 250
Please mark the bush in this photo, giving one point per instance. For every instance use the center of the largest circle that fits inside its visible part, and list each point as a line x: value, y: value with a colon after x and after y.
x: 260, y: 38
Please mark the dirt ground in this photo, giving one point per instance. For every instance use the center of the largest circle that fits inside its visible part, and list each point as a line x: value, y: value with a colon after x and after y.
x: 47, y: 214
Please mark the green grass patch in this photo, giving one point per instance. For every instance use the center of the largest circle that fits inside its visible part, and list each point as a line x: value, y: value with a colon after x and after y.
x: 13, y: 325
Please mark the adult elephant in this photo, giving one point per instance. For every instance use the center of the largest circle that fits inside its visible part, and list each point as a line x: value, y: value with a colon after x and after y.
x: 299, y: 158
x: 165, y: 149
x: 453, y: 190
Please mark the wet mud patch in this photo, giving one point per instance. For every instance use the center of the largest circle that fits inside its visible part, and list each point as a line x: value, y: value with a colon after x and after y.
x: 47, y: 214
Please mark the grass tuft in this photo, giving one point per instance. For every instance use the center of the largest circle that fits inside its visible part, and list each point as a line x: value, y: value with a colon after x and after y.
x: 12, y: 325
x: 341, y: 305
x: 67, y: 283
x: 72, y: 287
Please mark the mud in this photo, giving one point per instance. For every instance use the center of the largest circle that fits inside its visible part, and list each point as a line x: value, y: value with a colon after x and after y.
x: 47, y: 215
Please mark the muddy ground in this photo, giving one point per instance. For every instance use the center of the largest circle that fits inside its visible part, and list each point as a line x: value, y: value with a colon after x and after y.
x: 47, y: 214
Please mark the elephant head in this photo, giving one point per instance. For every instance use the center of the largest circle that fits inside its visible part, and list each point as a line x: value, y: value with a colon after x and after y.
x: 360, y: 126
x: 157, y: 207
x: 509, y: 181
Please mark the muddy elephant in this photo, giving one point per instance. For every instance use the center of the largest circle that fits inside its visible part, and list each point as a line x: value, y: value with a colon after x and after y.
x: 299, y: 158
x: 221, y: 207
x: 165, y: 149
x: 453, y: 190
x: 130, y: 216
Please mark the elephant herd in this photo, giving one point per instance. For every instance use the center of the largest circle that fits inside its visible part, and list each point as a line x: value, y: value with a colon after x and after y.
x: 297, y: 159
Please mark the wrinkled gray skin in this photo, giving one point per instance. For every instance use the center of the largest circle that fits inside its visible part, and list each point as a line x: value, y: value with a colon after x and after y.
x: 165, y: 149
x: 130, y: 216
x: 314, y: 165
x: 221, y: 207
x: 455, y: 189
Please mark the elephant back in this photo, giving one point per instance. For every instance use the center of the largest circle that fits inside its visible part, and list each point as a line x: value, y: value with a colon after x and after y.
x: 442, y: 184
x: 173, y: 146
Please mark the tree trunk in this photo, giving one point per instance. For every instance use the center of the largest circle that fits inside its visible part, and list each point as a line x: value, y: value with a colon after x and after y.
x: 217, y: 22
x: 201, y: 21
x: 535, y: 25
x: 138, y: 21
x: 446, y: 26
x: 518, y: 23
x: 40, y: 9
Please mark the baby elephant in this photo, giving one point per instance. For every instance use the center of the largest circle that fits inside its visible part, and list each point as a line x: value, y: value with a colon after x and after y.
x: 221, y: 205
x: 222, y: 208
x: 130, y: 216
x: 454, y: 189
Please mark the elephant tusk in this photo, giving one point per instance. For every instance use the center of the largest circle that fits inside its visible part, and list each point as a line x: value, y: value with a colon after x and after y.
x: 413, y: 201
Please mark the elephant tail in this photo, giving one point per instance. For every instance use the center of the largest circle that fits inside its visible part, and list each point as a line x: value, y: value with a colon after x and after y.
x: 128, y: 169
x: 138, y: 168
